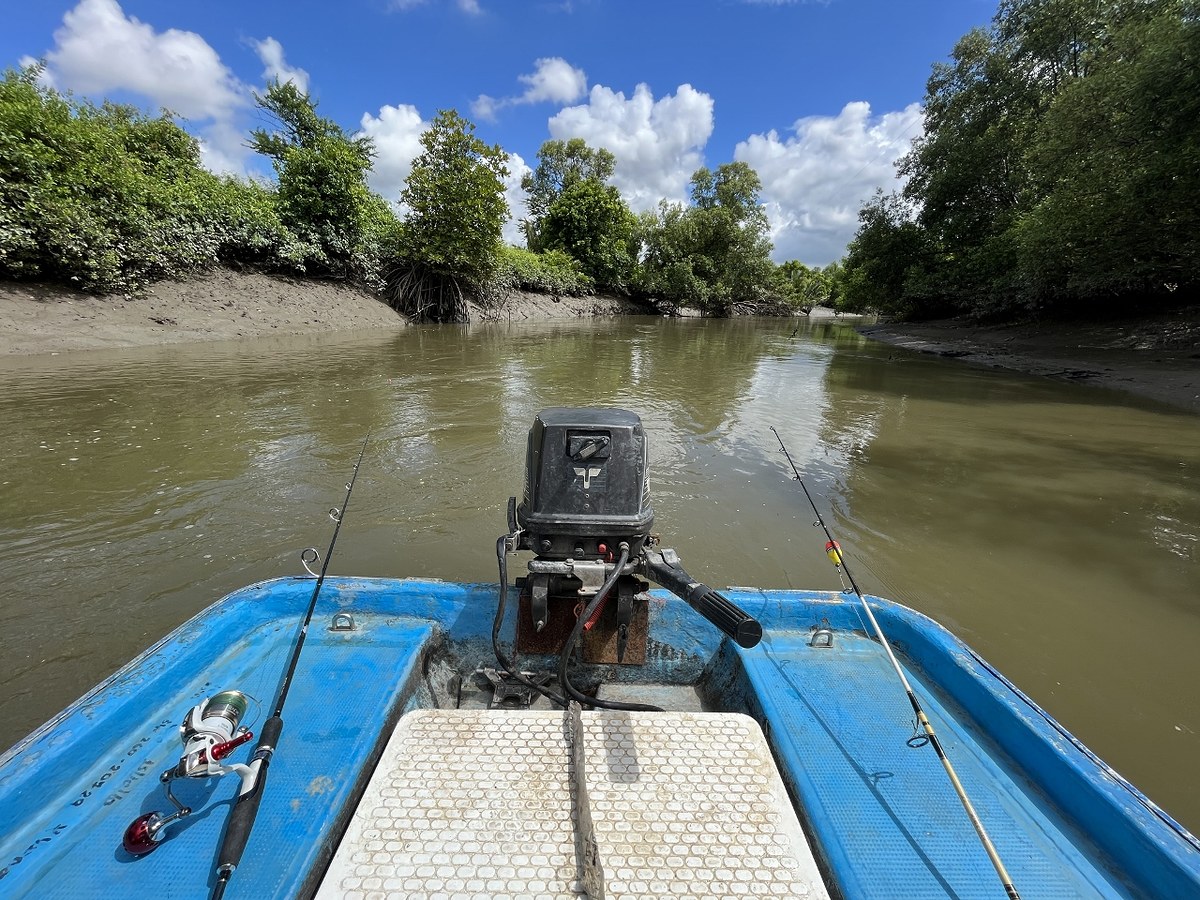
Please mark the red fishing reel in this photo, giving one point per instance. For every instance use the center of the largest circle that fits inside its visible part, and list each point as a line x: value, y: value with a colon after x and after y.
x: 209, y: 733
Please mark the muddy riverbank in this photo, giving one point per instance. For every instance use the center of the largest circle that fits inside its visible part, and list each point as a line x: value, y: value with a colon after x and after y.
x: 222, y: 305
x: 1154, y: 356
x: 226, y: 305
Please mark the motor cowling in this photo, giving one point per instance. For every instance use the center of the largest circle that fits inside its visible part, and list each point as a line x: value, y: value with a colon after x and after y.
x: 587, y: 484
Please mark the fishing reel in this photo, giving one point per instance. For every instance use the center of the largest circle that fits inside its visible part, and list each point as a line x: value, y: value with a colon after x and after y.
x: 209, y: 732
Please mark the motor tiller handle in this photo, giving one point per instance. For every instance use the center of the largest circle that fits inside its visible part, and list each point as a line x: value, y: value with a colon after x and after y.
x: 714, y: 606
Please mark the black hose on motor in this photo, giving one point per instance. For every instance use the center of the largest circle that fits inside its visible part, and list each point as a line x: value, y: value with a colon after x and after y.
x: 509, y: 669
x: 569, y: 647
x: 505, y: 664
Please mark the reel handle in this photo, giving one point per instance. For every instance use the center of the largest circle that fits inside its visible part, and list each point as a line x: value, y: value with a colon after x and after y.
x: 143, y: 834
x: 220, y: 751
x: 147, y: 831
x: 729, y: 618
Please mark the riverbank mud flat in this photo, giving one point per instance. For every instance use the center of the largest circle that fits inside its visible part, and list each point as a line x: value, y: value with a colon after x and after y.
x: 1156, y: 356
x: 526, y: 306
x: 219, y: 306
x: 225, y: 305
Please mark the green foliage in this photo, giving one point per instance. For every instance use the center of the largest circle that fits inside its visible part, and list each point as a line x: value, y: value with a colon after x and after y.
x: 574, y: 210
x: 835, y: 277
x: 715, y: 254
x: 1051, y: 42
x: 967, y: 174
x: 552, y: 272
x: 448, y: 252
x: 101, y: 197
x: 1058, y: 169
x: 561, y: 164
x: 803, y: 288
x: 322, y: 189
x: 667, y: 273
x: 1116, y: 165
x: 106, y: 198
x: 456, y: 197
x: 734, y: 188
x: 590, y: 221
x: 885, y: 261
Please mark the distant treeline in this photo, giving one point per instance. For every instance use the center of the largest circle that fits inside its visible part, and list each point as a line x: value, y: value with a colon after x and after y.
x: 106, y: 198
x: 1059, y: 169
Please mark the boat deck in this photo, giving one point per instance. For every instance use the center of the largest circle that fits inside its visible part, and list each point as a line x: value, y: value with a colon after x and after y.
x: 486, y: 805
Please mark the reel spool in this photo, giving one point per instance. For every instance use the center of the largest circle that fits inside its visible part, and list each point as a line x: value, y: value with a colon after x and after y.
x: 210, y: 733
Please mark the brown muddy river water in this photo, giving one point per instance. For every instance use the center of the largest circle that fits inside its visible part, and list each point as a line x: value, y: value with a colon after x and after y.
x: 1052, y: 526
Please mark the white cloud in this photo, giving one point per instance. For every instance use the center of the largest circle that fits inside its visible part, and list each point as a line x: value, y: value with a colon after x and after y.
x: 223, y: 148
x: 270, y: 51
x: 396, y: 132
x: 98, y: 49
x: 554, y: 80
x: 657, y: 144
x: 517, y: 199
x: 470, y: 7
x: 815, y: 180
x: 484, y: 107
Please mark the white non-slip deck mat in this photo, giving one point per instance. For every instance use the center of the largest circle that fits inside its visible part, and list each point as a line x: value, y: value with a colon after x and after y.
x: 480, y: 804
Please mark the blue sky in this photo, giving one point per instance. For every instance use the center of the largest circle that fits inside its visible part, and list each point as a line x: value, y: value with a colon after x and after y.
x: 820, y: 97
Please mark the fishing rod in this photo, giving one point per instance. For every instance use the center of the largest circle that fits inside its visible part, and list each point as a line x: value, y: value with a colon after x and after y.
x: 834, y: 550
x: 245, y: 808
x: 210, y: 732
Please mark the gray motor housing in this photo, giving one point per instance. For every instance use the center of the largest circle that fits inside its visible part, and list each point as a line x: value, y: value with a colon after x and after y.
x: 587, y: 484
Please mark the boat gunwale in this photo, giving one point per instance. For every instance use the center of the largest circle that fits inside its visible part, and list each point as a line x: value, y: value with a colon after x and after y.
x: 834, y: 599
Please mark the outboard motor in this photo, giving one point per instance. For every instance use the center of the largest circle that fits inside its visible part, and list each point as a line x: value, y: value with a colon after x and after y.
x: 586, y: 516
x: 586, y: 484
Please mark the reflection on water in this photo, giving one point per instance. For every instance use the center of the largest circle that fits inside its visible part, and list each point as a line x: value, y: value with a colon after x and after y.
x: 1052, y: 526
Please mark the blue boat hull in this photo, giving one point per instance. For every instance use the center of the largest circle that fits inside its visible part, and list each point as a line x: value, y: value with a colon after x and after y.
x: 879, y: 812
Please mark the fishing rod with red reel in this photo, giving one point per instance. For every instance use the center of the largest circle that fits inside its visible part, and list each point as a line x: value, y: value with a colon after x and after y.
x: 212, y: 730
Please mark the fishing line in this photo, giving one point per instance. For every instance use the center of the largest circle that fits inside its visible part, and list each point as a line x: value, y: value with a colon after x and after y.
x: 834, y: 551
